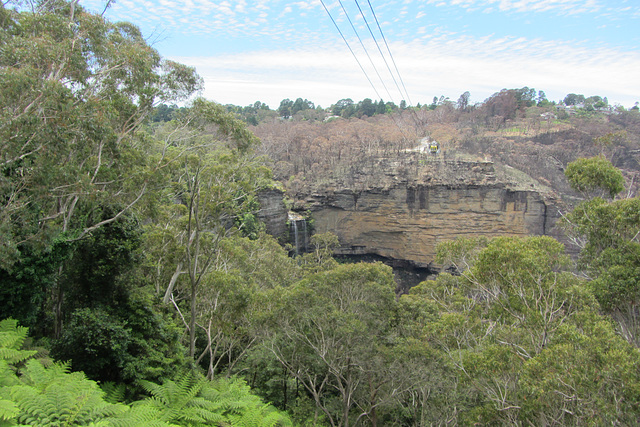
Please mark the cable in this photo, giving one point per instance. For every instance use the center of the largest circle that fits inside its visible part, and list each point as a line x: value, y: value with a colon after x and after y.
x: 389, y: 50
x: 351, y: 50
x: 415, y: 115
x: 365, y: 51
x: 380, y: 50
x: 356, y: 58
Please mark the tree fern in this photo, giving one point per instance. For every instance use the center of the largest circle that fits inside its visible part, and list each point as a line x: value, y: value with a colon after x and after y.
x: 113, y: 393
x: 12, y: 337
x: 140, y: 414
x: 53, y: 396
x: 8, y: 412
x: 178, y: 401
x: 194, y: 401
x: 241, y: 408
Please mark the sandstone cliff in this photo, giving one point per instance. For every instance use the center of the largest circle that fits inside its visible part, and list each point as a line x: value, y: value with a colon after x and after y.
x: 438, y: 201
x: 273, y: 213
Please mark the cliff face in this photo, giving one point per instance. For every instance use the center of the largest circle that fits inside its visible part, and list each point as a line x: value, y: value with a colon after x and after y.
x: 274, y: 213
x: 406, y: 221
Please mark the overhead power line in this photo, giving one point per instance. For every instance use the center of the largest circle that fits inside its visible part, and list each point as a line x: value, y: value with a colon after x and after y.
x: 389, y: 50
x: 404, y: 94
x: 365, y: 51
x: 415, y: 115
x: 351, y: 50
x: 369, y: 56
x: 379, y: 50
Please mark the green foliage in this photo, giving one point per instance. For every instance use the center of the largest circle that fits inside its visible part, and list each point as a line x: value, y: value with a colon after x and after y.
x: 93, y: 276
x: 124, y: 347
x: 573, y: 99
x: 210, y: 183
x: 27, y: 282
x: 597, y: 226
x: 45, y: 396
x: 12, y: 337
x: 321, y: 256
x: 53, y: 396
x: 263, y: 261
x: 326, y: 329
x: 607, y: 234
x: 96, y: 343
x: 112, y: 331
x: 527, y: 341
x: 596, y: 174
x: 11, y: 353
x: 194, y: 401
x: 592, y: 374
x: 76, y: 88
x: 460, y: 253
x: 205, y: 113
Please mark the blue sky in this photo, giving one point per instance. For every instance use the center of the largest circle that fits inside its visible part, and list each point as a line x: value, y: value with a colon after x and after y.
x: 268, y: 50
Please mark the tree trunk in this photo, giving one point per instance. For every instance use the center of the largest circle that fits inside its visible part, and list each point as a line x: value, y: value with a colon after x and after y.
x: 192, y: 323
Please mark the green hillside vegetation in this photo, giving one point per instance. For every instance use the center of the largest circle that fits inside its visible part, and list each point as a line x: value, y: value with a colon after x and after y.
x: 139, y: 287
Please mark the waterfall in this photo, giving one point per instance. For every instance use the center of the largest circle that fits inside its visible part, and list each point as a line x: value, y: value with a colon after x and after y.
x: 304, y: 244
x: 296, y: 237
x: 298, y: 233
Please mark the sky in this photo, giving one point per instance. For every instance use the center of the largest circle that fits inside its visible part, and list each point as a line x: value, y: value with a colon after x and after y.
x: 412, y: 50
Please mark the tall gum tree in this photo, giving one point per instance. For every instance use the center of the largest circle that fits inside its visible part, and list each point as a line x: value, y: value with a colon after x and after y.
x: 327, y: 331
x: 608, y: 232
x: 74, y: 90
x: 526, y: 338
x: 211, y: 178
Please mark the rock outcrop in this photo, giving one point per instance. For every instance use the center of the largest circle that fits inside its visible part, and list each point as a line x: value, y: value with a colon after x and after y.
x: 442, y: 201
x: 273, y: 213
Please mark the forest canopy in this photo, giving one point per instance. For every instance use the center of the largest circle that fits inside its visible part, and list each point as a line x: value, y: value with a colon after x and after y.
x: 139, y: 286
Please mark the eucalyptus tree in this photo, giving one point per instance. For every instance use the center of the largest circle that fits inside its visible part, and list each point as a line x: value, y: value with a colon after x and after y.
x: 607, y: 232
x: 75, y: 90
x: 211, y: 179
x: 526, y: 338
x: 595, y: 177
x: 328, y: 331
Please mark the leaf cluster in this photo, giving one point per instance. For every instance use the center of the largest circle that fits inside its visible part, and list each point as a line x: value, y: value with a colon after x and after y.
x: 597, y: 173
x: 44, y: 396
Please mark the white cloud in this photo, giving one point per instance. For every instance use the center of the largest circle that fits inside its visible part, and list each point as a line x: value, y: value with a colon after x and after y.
x: 443, y: 66
x: 308, y: 5
x: 562, y: 7
x: 436, y: 61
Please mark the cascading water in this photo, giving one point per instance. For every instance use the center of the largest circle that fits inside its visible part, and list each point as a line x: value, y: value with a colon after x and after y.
x: 298, y: 233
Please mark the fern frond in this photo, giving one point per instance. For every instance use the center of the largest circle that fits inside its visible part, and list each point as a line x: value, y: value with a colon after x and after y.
x: 140, y: 414
x: 53, y: 396
x: 113, y: 393
x: 242, y: 408
x: 271, y: 417
x: 12, y: 337
x: 8, y: 410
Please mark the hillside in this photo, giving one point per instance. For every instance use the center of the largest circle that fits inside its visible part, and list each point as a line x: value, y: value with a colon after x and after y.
x: 532, y: 149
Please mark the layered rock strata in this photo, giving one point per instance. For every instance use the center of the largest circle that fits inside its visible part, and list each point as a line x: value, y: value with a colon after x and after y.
x: 273, y: 213
x: 406, y: 220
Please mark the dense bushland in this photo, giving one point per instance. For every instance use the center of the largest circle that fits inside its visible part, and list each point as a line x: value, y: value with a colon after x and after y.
x: 131, y: 250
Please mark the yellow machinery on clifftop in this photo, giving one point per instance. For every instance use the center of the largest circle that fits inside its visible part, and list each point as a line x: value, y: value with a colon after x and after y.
x: 434, y: 147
